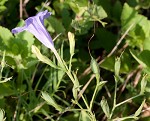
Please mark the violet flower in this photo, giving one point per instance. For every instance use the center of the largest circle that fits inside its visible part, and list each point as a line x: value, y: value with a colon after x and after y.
x: 35, y: 25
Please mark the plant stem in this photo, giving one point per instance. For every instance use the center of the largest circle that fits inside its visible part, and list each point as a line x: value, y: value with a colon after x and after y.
x: 63, y: 65
x: 114, y: 103
x: 85, y: 103
x: 92, y: 100
x: 127, y: 100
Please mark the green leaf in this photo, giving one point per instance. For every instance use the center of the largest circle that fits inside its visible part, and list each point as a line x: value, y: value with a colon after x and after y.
x: 56, y: 25
x: 84, y: 116
x: 141, y: 30
x: 106, y: 4
x: 76, y: 86
x: 27, y: 37
x: 73, y: 5
x: 117, y: 66
x: 137, y: 113
x: 71, y: 42
x: 82, y: 26
x: 2, y: 113
x: 126, y: 65
x: 105, y: 107
x: 104, y: 39
x: 146, y: 45
x: 2, y: 8
x: 82, y: 3
x: 43, y: 58
x: 142, y: 58
x: 116, y: 10
x: 136, y: 57
x: 143, y: 84
x: 5, y: 36
x: 144, y: 4
x: 66, y: 18
x: 51, y: 101
x: 145, y: 57
x: 2, y: 2
x: 6, y: 89
x: 94, y: 66
x: 126, y: 15
x: 100, y: 85
x: 96, y: 13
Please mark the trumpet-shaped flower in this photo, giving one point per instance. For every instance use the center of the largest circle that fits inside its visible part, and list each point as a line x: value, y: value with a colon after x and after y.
x: 35, y: 25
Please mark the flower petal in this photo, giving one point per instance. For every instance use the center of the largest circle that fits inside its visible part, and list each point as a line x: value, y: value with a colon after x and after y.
x: 35, y: 25
x: 18, y: 29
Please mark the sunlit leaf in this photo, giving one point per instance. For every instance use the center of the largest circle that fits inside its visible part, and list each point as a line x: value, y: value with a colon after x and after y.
x: 42, y: 58
x: 51, y: 101
x: 105, y: 107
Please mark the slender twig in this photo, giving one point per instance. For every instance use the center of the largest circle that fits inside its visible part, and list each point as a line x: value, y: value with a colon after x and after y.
x: 57, y: 36
x: 127, y: 79
x: 85, y: 86
x: 147, y: 109
x: 117, y: 105
x: 93, y: 97
x: 131, y: 74
x: 120, y: 40
x: 34, y: 73
x: 137, y: 77
x: 25, y: 2
x: 20, y: 7
x: 88, y: 70
x: 24, y: 7
x: 107, y: 90
x: 44, y: 4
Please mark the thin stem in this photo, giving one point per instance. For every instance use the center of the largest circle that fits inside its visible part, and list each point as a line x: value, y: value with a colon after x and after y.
x: 85, y: 103
x: 127, y: 100
x: 20, y: 7
x: 70, y: 62
x: 114, y: 103
x: 85, y: 86
x: 88, y: 70
x: 93, y: 97
x: 115, y: 93
x: 63, y: 65
x: 88, y: 108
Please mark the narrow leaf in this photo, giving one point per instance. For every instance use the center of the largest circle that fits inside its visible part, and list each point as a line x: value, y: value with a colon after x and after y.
x: 51, y: 101
x: 137, y: 58
x: 43, y: 58
x: 94, y: 66
x: 139, y: 109
x: 84, y: 116
x: 100, y: 85
x: 105, y: 107
x: 76, y: 86
x: 143, y: 84
x: 71, y: 42
x: 117, y: 66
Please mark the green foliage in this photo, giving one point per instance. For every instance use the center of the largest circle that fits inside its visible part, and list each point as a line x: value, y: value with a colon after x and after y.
x: 139, y: 34
x: 51, y: 101
x: 42, y: 58
x: 2, y: 6
x: 105, y: 107
x: 69, y: 83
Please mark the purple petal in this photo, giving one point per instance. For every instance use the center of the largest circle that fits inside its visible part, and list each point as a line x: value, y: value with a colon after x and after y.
x: 18, y: 29
x: 35, y: 25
